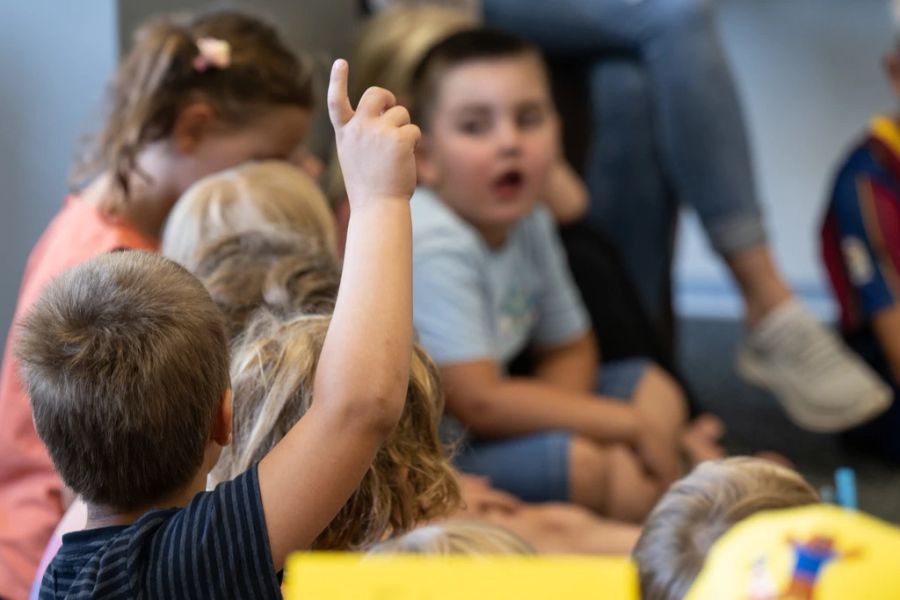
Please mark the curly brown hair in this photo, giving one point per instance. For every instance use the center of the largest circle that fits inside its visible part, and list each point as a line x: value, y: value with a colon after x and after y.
x: 410, y: 480
x: 279, y: 270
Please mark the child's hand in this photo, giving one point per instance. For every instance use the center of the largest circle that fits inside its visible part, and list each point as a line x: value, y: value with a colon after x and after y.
x: 374, y: 144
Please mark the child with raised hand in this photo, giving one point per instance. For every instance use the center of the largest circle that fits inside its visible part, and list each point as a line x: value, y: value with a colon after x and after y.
x: 492, y: 285
x: 409, y: 482
x: 140, y: 449
x: 193, y: 96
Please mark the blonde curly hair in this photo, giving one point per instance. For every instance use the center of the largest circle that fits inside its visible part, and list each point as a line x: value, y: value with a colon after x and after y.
x: 409, y: 482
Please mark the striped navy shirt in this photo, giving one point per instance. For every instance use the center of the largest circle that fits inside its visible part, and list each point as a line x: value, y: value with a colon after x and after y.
x: 216, y: 547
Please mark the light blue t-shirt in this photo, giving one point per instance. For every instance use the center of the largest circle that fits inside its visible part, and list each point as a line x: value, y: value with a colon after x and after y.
x: 473, y: 302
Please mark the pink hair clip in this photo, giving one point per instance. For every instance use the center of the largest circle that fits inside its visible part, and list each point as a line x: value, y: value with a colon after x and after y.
x: 212, y: 52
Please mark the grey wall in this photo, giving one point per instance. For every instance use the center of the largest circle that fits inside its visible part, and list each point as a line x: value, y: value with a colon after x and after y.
x: 54, y: 59
x: 810, y: 75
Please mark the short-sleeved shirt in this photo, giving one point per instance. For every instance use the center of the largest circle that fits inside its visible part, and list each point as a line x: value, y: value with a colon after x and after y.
x: 861, y: 235
x: 215, y: 547
x: 474, y: 302
x: 29, y: 487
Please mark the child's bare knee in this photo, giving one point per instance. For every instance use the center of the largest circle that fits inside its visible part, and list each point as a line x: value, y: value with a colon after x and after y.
x: 588, y: 472
x: 665, y: 394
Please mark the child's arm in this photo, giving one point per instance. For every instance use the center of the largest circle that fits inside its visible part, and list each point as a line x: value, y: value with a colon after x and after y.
x: 361, y: 381
x: 565, y: 193
x: 494, y: 405
x: 571, y: 366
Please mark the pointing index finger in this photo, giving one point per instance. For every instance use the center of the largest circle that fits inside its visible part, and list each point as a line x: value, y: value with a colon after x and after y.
x: 339, y: 108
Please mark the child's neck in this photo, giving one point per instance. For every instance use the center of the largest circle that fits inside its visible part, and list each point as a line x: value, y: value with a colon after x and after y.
x: 145, y: 209
x: 100, y: 515
x: 494, y: 237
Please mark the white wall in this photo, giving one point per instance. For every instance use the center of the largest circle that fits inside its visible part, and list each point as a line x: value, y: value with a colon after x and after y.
x: 809, y: 74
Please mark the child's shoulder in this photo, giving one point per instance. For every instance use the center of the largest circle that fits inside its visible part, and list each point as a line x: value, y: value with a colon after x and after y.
x: 173, y: 551
x: 875, y: 156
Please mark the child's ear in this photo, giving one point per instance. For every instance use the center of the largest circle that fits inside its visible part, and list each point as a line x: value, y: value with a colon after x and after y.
x: 891, y: 63
x: 192, y: 124
x: 426, y: 170
x: 221, y: 430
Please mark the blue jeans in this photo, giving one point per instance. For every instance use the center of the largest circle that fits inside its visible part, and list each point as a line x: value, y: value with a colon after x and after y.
x: 536, y: 467
x: 666, y: 123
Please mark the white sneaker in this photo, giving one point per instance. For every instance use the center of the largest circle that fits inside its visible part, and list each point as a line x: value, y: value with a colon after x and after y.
x: 821, y: 384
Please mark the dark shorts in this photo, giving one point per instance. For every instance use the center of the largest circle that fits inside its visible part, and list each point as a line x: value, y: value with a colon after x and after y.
x: 536, y: 467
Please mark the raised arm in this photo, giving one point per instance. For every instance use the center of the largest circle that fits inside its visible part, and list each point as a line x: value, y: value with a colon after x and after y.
x: 363, y: 371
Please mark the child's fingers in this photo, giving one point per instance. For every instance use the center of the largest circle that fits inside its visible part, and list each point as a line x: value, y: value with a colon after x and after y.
x: 375, y: 101
x: 339, y: 108
x: 411, y: 133
x: 397, y: 116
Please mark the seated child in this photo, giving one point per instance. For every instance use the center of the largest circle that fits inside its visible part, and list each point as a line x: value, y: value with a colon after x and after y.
x: 455, y: 537
x: 126, y: 362
x: 278, y: 270
x: 491, y: 283
x: 861, y: 251
x: 409, y: 482
x: 702, y: 507
x: 194, y: 95
x: 256, y: 195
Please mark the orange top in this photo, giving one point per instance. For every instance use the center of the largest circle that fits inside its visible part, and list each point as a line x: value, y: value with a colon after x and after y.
x: 30, y: 489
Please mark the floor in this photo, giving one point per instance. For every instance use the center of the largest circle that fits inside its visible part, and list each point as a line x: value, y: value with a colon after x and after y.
x: 755, y: 421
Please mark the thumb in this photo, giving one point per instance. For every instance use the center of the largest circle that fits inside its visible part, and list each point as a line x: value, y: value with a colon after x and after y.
x: 339, y: 108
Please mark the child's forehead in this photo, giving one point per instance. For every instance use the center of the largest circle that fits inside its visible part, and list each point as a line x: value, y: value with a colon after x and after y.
x: 492, y: 80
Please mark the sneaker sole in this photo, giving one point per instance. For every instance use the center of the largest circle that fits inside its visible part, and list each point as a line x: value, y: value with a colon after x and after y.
x: 818, y: 419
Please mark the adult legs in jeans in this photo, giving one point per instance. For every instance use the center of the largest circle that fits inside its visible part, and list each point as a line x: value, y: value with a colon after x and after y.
x: 630, y: 200
x: 693, y: 118
x: 703, y: 152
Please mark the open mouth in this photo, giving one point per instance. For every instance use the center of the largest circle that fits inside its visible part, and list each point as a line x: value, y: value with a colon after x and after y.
x: 509, y: 183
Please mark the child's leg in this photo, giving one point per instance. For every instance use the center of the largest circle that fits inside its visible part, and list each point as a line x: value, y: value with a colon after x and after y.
x: 551, y: 527
x: 660, y: 401
x: 558, y: 466
x: 611, y: 481
x: 659, y: 397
